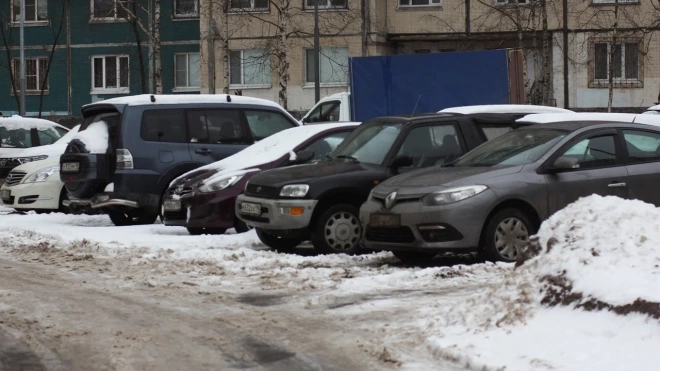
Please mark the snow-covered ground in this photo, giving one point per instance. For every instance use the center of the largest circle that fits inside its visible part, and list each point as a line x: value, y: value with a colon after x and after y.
x: 587, y: 299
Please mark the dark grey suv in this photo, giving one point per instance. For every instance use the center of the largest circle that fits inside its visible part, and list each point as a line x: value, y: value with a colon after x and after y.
x: 130, y: 148
x: 493, y: 198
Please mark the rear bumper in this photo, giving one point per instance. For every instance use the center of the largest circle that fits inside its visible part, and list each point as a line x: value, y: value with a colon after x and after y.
x: 115, y: 199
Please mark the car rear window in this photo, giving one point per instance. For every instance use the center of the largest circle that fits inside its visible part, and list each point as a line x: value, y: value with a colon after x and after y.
x: 264, y: 123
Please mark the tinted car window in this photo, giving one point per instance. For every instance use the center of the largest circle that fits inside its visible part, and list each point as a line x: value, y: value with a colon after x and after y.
x: 432, y: 145
x: 517, y: 147
x: 643, y: 146
x: 225, y: 127
x: 265, y: 123
x: 164, y: 126
x: 594, y: 152
x: 47, y: 137
x: 326, y: 145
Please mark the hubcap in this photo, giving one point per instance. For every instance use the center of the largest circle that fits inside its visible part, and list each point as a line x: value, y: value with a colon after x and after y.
x: 342, y: 231
x: 510, y: 238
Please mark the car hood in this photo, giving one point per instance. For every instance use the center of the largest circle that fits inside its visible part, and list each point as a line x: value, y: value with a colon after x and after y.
x: 306, y: 173
x: 448, y: 176
x: 53, y: 150
x: 32, y: 167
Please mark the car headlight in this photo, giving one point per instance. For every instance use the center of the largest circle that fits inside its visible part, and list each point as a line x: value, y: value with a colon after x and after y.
x: 31, y: 159
x: 41, y: 175
x: 452, y: 195
x: 294, y: 190
x: 219, y: 184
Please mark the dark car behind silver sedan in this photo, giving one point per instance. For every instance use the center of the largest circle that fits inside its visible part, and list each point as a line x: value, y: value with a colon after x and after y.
x: 493, y: 198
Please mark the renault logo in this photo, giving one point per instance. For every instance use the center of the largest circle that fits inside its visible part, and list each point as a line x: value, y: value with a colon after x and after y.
x: 390, y: 199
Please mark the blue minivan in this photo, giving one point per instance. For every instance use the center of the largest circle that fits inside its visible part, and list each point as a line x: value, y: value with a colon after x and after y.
x: 129, y: 149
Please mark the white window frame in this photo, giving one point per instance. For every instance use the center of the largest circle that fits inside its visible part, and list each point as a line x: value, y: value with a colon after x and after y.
x: 187, y: 88
x: 513, y: 2
x: 252, y: 8
x: 35, y: 22
x: 114, y: 19
x: 104, y: 89
x: 15, y: 67
x: 612, y: 2
x: 194, y: 16
x: 432, y: 3
x: 243, y: 85
x: 324, y: 84
x: 322, y: 7
x: 622, y: 79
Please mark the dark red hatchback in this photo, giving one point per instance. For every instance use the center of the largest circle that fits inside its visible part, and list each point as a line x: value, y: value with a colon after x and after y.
x: 203, y: 200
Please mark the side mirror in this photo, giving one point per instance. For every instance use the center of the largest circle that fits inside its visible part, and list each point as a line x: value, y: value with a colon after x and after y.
x: 564, y: 163
x: 402, y: 161
x: 302, y: 157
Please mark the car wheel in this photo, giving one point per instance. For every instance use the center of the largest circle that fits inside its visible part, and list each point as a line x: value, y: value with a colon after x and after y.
x: 131, y: 217
x: 63, y: 196
x: 413, y: 257
x: 206, y: 231
x: 338, y: 230
x: 281, y: 244
x: 506, y: 234
x: 241, y: 226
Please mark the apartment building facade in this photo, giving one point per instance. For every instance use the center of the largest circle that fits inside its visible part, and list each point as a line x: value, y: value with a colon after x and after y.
x: 269, y: 45
x: 82, y: 51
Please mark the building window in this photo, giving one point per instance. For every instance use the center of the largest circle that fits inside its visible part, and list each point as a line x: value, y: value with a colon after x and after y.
x: 612, y: 2
x: 187, y: 71
x: 185, y: 9
x: 333, y: 66
x: 419, y: 3
x: 109, y: 9
x: 250, y: 68
x: 250, y: 5
x: 326, y: 4
x: 520, y: 2
x: 625, y: 63
x: 36, y: 11
x: 110, y: 74
x: 36, y: 72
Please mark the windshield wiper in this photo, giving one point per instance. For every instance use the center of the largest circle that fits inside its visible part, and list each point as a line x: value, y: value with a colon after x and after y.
x: 350, y: 158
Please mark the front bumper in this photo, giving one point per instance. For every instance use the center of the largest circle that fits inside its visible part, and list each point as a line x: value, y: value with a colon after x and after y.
x: 209, y: 210
x: 455, y: 227
x: 272, y: 218
x: 38, y: 196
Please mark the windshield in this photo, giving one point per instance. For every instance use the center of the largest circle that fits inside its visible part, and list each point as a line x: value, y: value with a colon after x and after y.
x: 370, y: 143
x: 518, y: 147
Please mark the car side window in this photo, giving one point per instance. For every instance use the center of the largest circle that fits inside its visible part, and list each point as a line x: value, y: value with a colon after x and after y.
x: 494, y: 130
x: 432, y: 145
x: 225, y: 127
x: 264, y: 123
x: 164, y: 126
x: 325, y: 145
x: 643, y: 146
x: 47, y: 137
x: 16, y: 138
x: 594, y: 152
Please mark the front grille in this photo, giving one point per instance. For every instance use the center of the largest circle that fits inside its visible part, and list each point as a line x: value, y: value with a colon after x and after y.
x: 175, y: 215
x: 390, y: 234
x: 14, y: 178
x: 262, y: 191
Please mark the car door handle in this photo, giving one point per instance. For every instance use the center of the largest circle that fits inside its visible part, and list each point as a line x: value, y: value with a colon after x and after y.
x: 617, y: 185
x: 203, y: 151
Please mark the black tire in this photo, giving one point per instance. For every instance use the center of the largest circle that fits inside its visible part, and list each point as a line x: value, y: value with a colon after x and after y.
x: 240, y: 226
x: 280, y: 244
x: 206, y: 231
x: 131, y: 217
x: 508, y: 216
x: 413, y: 257
x: 81, y: 190
x: 63, y: 196
x: 347, y: 233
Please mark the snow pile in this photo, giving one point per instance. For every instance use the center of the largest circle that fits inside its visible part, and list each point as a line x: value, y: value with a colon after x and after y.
x: 95, y: 137
x: 586, y: 296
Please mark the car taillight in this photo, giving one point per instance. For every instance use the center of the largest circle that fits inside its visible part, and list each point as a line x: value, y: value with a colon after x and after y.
x: 124, y: 160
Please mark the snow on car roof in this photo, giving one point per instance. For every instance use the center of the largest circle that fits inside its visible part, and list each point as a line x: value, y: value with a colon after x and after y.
x: 504, y: 109
x: 613, y: 117
x: 16, y: 122
x: 168, y: 99
x: 655, y: 107
x: 55, y: 149
x: 270, y: 148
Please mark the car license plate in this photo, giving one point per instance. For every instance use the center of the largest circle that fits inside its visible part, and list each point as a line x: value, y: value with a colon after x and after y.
x: 251, y: 209
x: 4, y: 194
x: 70, y: 167
x: 172, y: 205
x: 385, y: 220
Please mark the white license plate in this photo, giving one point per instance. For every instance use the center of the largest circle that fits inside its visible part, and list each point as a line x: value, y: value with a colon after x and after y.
x: 172, y: 205
x: 4, y: 194
x: 251, y: 209
x: 70, y: 167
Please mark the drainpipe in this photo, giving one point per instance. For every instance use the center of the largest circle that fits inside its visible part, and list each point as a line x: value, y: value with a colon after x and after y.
x: 69, y: 89
x: 565, y: 52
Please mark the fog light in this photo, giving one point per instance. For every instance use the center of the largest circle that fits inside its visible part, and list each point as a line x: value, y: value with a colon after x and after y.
x: 294, y: 211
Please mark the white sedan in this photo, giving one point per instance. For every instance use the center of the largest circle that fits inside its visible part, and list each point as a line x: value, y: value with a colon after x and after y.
x: 35, y: 186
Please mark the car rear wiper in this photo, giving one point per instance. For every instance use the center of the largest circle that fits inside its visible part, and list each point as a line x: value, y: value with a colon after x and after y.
x: 350, y: 158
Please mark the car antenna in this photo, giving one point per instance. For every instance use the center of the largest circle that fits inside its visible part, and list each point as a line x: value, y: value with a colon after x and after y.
x: 414, y: 108
x: 153, y: 99
x: 228, y: 98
